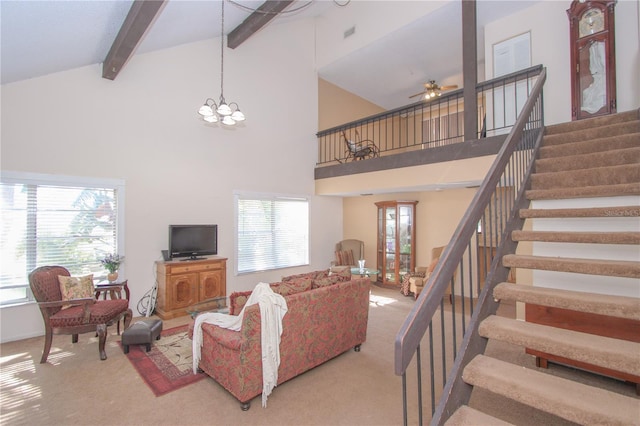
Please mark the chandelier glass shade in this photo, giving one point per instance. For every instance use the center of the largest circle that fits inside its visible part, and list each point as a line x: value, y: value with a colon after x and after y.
x: 432, y: 94
x: 212, y: 112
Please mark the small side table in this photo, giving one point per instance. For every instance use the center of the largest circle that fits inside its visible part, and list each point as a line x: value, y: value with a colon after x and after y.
x: 114, y: 290
x: 365, y: 272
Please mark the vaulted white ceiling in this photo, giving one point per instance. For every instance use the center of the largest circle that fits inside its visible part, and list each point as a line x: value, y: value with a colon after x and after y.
x: 43, y: 37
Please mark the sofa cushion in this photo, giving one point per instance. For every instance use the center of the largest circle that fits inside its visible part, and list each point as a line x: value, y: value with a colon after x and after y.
x: 292, y: 286
x: 332, y: 278
x: 344, y: 257
x: 313, y: 275
x: 237, y: 300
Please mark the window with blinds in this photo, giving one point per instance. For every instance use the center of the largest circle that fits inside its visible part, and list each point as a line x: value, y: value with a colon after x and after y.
x: 271, y: 232
x: 53, y: 221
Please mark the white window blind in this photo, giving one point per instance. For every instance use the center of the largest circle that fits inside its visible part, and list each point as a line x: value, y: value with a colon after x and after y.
x: 272, y: 232
x: 67, y: 224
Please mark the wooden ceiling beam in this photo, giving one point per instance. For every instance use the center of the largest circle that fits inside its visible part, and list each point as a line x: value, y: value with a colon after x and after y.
x: 138, y: 21
x: 256, y: 21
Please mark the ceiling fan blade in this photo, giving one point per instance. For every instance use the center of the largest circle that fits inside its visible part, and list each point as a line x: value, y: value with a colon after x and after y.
x: 417, y: 94
x: 455, y: 86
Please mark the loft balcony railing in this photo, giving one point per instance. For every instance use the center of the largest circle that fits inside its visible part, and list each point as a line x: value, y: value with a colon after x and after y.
x: 430, y: 124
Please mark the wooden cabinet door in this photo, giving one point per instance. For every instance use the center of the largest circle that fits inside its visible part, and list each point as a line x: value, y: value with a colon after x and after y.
x: 212, y: 284
x: 184, y: 290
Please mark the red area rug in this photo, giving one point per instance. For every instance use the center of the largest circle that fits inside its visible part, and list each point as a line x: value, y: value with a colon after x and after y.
x: 168, y: 365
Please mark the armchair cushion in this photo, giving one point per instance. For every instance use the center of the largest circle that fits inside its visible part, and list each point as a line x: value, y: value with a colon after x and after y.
x: 99, y: 313
x: 76, y: 287
x: 344, y: 257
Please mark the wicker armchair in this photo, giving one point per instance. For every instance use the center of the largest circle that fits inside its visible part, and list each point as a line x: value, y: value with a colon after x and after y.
x: 82, y: 316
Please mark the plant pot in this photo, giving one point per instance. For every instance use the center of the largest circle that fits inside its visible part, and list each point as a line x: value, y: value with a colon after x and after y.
x: 113, y: 276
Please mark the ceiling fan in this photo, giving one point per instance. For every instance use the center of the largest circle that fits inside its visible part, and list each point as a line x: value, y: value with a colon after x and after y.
x: 431, y: 90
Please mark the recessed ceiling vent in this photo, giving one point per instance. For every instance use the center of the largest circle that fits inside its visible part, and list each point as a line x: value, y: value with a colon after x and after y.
x: 350, y: 32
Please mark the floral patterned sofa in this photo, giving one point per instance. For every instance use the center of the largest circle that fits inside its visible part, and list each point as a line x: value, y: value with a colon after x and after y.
x: 327, y: 315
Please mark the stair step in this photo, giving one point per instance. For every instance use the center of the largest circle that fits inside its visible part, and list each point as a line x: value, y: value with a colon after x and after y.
x: 578, y: 237
x: 590, y: 160
x: 615, y: 354
x: 615, y: 129
x: 609, y: 175
x: 593, y: 122
x: 614, y: 268
x: 630, y: 140
x: 467, y: 416
x: 599, y: 304
x: 569, y: 400
x: 585, y: 192
x: 618, y: 211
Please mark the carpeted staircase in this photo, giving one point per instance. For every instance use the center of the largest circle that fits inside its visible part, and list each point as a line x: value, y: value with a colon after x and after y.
x: 579, y: 162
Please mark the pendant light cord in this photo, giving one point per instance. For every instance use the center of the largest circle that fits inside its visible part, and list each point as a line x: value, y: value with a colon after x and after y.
x: 222, y: 53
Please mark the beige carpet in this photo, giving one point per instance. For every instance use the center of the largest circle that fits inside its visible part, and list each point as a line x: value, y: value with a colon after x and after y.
x: 76, y: 388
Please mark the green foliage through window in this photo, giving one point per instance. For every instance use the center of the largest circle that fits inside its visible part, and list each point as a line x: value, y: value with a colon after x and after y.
x: 53, y: 224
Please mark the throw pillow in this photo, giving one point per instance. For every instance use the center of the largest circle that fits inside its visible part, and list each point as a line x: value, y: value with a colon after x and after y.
x: 292, y: 286
x: 344, y: 257
x: 341, y: 274
x: 76, y: 287
x: 237, y: 300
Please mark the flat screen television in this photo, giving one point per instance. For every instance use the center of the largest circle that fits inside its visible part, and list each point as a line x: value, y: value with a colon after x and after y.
x: 193, y: 241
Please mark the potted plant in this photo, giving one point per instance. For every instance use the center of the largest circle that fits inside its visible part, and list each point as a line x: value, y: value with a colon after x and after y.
x: 111, y: 263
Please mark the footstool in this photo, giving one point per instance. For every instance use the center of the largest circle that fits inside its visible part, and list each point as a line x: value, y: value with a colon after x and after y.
x: 141, y: 333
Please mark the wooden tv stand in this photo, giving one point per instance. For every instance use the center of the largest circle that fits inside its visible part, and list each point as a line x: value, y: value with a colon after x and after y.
x: 182, y: 283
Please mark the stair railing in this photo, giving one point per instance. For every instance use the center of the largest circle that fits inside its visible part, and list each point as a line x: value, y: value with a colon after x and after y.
x: 469, y: 268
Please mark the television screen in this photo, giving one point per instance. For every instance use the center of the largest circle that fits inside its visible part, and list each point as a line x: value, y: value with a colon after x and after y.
x: 193, y: 241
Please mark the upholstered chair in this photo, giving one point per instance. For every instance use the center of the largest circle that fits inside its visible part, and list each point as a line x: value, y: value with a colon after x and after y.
x: 348, y: 252
x: 417, y: 283
x: 73, y: 316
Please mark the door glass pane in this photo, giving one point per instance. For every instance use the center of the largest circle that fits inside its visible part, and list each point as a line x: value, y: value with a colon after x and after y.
x: 390, y: 249
x: 405, y: 224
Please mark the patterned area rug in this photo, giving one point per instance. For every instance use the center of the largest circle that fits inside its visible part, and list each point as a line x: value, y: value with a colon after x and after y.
x: 168, y: 365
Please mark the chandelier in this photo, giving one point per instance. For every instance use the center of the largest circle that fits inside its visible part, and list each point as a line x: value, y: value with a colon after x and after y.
x: 227, y: 114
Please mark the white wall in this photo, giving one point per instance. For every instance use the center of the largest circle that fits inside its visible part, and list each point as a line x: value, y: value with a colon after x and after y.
x: 143, y: 128
x: 373, y: 20
x: 549, y: 26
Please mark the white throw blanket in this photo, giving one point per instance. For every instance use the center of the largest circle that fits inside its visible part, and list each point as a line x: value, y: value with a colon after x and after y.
x: 273, y: 308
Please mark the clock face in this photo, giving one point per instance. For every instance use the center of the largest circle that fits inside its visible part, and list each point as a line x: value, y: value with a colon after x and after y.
x: 592, y: 22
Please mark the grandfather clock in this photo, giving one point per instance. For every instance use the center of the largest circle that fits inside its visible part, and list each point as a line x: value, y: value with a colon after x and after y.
x: 593, y: 58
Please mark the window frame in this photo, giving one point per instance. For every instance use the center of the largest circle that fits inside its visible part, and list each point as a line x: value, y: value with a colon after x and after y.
x: 239, y: 195
x: 29, y: 178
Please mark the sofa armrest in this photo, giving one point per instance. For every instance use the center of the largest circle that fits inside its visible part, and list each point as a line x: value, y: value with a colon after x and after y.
x: 237, y: 340
x: 228, y: 338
